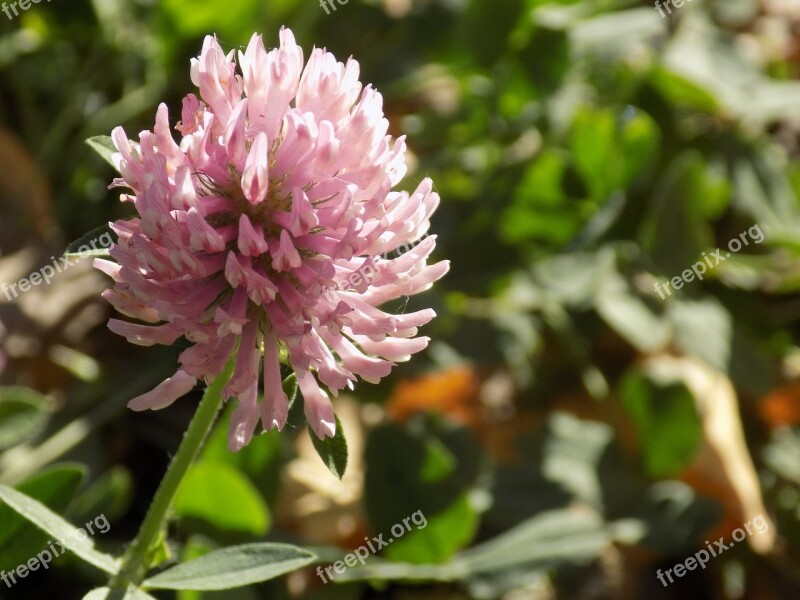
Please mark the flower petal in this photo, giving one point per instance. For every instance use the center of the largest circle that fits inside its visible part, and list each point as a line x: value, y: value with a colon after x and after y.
x: 165, y: 393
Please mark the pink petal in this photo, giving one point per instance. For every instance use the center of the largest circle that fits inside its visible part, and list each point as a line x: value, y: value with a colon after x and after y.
x: 165, y: 393
x: 244, y: 420
x: 251, y: 240
x: 145, y: 335
x: 318, y: 408
x: 285, y: 255
x: 246, y: 369
x: 233, y: 317
x: 235, y: 135
x: 255, y: 177
x: 275, y: 408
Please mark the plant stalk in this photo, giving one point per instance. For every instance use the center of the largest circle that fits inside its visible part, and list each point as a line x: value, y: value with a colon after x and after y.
x: 138, y: 557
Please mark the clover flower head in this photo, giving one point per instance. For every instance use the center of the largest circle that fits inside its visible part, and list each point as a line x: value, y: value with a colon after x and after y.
x: 268, y: 226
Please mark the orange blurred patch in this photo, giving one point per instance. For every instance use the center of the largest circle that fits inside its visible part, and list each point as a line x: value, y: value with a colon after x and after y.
x: 453, y: 392
x: 501, y: 439
x: 781, y: 406
x: 461, y: 394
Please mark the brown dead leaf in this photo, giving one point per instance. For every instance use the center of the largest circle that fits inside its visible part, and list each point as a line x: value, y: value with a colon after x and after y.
x: 313, y: 502
x: 723, y: 468
x: 25, y: 210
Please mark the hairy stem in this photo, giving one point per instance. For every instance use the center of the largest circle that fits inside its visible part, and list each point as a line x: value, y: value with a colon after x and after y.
x: 139, y: 555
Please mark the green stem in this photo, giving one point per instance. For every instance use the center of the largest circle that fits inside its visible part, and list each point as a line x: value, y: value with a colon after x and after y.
x: 137, y: 559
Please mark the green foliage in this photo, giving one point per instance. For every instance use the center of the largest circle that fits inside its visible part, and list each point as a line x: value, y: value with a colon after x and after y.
x: 23, y: 415
x: 554, y: 538
x: 259, y: 461
x: 611, y: 148
x: 89, y: 245
x: 54, y: 488
x: 428, y: 468
x: 56, y: 527
x: 109, y: 495
x: 222, y: 496
x: 104, y: 146
x: 548, y: 538
x: 332, y: 450
x: 584, y: 151
x: 664, y: 415
x: 232, y: 567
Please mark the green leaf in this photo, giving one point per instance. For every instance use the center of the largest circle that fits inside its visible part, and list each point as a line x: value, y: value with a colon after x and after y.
x: 762, y: 190
x: 433, y: 537
x: 488, y: 27
x: 627, y: 313
x: 110, y: 495
x: 54, y: 487
x: 782, y: 452
x: 612, y: 147
x: 332, y: 450
x: 574, y: 452
x: 79, y: 365
x: 703, y: 54
x: 58, y: 528
x: 541, y: 209
x: 675, y: 517
x: 233, y: 567
x: 439, y: 462
x: 639, y: 142
x: 197, y: 546
x: 104, y: 146
x: 222, y: 496
x: 23, y: 415
x: 131, y: 594
x: 260, y: 460
x: 290, y: 388
x: 593, y: 144
x: 94, y: 244
x: 678, y: 212
x: 679, y: 91
x: 183, y: 20
x: 549, y: 539
x: 426, y: 470
x: 664, y: 415
x: 541, y: 541
x: 703, y: 328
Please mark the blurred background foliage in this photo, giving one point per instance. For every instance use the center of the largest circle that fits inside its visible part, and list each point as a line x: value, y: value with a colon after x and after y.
x: 569, y: 432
